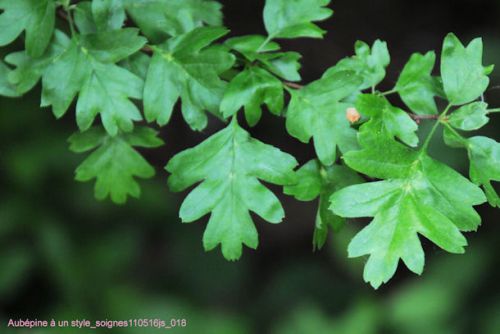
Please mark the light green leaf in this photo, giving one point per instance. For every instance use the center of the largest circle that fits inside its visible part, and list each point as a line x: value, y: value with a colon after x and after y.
x: 87, y: 68
x: 315, y: 180
x: 188, y: 68
x: 251, y: 88
x: 464, y: 76
x: 416, y: 85
x: 484, y: 156
x: 251, y: 46
x: 368, y: 63
x: 419, y: 196
x: 36, y: 17
x: 114, y: 163
x: 159, y: 19
x: 229, y: 165
x: 294, y: 18
x: 387, y: 119
x: 317, y: 112
x: 470, y: 117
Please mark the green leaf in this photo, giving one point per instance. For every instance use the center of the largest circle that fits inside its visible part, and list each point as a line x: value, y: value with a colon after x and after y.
x: 464, y: 76
x: 316, y: 111
x: 251, y: 46
x: 293, y: 19
x: 159, y: 19
x: 187, y: 67
x: 484, y: 156
x: 387, y: 119
x: 108, y: 14
x: 470, y: 117
x: 36, y: 17
x: 229, y: 165
x: 28, y: 69
x: 252, y: 88
x: 87, y: 68
x: 419, y: 196
x: 416, y: 85
x: 370, y: 64
x: 114, y: 163
x: 256, y: 48
x: 315, y: 180
x: 6, y: 88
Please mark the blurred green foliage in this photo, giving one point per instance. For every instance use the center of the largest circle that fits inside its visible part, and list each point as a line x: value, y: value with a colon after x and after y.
x: 64, y: 255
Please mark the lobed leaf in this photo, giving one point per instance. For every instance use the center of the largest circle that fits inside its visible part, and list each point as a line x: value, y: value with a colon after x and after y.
x: 229, y: 165
x: 114, y: 162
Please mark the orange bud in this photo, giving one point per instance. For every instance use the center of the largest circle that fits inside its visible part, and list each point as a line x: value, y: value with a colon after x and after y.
x: 352, y: 115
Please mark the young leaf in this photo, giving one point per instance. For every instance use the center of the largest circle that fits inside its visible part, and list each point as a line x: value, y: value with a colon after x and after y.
x: 464, y: 76
x: 315, y: 180
x: 369, y: 64
x: 159, y: 19
x: 416, y: 85
x: 470, y: 117
x: 419, y: 196
x: 188, y: 68
x: 387, y: 119
x: 36, y: 17
x: 293, y: 19
x: 87, y: 66
x: 317, y: 111
x: 484, y: 156
x: 229, y: 165
x: 252, y: 88
x: 114, y: 163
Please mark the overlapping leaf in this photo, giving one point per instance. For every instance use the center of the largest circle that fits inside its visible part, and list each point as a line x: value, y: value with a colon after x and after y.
x: 187, y: 67
x: 293, y: 19
x: 6, y: 88
x: 229, y: 165
x: 87, y: 67
x: 317, y: 112
x: 418, y: 196
x: 36, y: 17
x: 114, y: 162
x: 315, y: 180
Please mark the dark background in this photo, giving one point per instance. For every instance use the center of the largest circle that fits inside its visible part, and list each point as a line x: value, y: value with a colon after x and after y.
x: 64, y: 255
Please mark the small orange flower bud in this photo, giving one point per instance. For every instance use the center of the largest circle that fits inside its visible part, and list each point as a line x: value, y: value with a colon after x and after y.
x: 352, y: 115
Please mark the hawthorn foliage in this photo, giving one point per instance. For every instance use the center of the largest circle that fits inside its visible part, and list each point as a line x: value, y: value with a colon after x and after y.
x: 126, y: 65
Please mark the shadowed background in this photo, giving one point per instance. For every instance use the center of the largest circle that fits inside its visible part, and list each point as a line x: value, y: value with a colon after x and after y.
x: 64, y: 255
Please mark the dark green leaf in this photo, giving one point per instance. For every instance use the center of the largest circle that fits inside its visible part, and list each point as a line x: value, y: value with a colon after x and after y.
x: 186, y: 67
x: 114, y: 163
x: 36, y: 17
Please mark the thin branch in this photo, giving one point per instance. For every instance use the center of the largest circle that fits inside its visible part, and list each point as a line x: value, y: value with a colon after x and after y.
x: 293, y: 85
x: 418, y: 118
